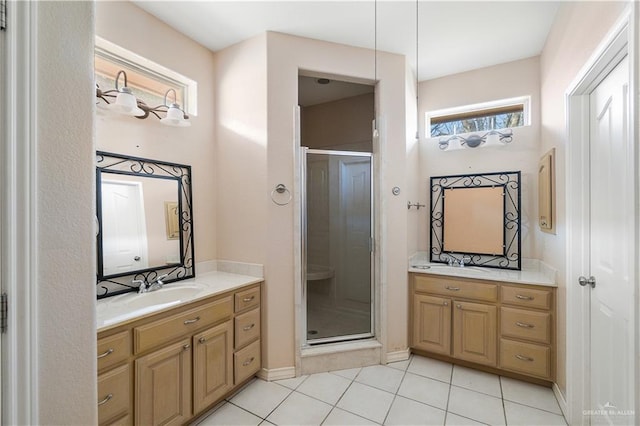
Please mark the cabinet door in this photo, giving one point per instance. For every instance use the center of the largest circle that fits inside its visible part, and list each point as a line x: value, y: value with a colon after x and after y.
x: 474, y: 332
x: 163, y: 386
x: 432, y: 324
x: 212, y: 365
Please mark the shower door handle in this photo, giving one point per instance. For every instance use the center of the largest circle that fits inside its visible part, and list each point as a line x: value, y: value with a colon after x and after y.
x: 370, y: 244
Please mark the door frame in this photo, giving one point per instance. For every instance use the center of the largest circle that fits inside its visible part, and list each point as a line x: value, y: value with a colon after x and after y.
x: 620, y: 41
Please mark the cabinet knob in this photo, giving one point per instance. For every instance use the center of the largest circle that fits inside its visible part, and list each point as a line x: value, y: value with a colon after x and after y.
x: 248, y: 327
x: 248, y: 299
x: 247, y: 362
x: 186, y: 347
x: 202, y: 340
x: 446, y: 303
x: 459, y: 306
x: 105, y: 400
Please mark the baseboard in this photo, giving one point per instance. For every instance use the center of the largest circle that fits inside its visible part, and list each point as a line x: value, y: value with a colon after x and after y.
x: 561, y: 401
x: 398, y: 356
x: 271, y: 374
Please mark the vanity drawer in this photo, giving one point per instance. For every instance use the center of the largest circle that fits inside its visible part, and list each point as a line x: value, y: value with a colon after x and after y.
x: 529, y: 297
x: 247, y: 299
x: 247, y: 327
x: 246, y: 362
x: 525, y: 358
x: 175, y: 326
x: 113, y: 349
x: 114, y: 394
x: 521, y: 324
x: 464, y: 289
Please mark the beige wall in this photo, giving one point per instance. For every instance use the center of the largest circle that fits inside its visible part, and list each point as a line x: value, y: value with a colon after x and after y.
x: 513, y: 79
x: 64, y: 327
x: 256, y: 151
x: 343, y: 124
x: 576, y: 32
x: 130, y: 27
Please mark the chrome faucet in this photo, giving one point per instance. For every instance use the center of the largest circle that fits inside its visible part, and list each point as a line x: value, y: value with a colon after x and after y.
x: 142, y: 286
x: 157, y: 285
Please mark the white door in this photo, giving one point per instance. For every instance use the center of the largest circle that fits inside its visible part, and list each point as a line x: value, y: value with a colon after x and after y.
x: 611, y: 250
x: 124, y: 233
x: 355, y: 209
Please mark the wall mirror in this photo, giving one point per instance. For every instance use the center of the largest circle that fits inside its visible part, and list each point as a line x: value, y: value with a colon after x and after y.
x: 145, y: 222
x: 475, y: 219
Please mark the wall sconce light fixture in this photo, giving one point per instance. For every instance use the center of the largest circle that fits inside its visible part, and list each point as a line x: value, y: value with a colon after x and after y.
x: 490, y: 138
x: 126, y: 103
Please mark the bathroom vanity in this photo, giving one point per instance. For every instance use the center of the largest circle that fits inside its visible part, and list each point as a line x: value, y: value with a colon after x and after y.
x: 166, y: 357
x: 494, y: 320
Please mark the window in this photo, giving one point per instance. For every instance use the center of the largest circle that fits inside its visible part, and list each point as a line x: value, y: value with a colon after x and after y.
x: 496, y: 115
x: 147, y: 80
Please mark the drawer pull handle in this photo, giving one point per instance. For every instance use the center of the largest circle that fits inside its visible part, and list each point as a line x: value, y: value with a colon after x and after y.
x: 521, y: 297
x: 105, y: 400
x: 109, y: 352
x: 202, y: 340
x: 248, y: 299
x: 524, y: 358
x: 452, y: 288
x: 247, y: 362
x: 191, y: 321
x: 524, y: 324
x: 186, y: 347
x: 248, y: 327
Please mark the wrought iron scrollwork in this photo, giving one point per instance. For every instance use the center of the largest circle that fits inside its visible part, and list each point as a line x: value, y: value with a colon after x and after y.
x: 510, y: 258
x: 111, y: 285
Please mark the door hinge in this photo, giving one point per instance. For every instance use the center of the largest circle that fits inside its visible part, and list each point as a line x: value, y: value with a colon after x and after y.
x: 3, y: 15
x: 3, y: 312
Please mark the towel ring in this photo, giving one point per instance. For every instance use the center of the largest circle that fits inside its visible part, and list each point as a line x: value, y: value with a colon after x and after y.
x: 280, y: 189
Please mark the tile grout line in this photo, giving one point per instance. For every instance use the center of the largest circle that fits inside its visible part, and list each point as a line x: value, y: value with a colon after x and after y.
x: 446, y: 410
x: 395, y: 395
x: 504, y: 409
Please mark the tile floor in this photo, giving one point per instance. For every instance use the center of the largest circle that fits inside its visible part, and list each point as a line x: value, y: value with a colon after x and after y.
x: 420, y: 391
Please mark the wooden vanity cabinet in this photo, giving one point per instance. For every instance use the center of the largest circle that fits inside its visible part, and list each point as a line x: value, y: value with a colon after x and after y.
x: 179, y: 362
x: 499, y: 327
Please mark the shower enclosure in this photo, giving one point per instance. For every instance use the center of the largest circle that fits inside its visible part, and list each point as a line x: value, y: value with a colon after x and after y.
x: 337, y: 246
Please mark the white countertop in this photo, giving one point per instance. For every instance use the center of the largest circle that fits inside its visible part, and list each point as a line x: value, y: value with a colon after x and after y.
x: 112, y: 311
x: 533, y: 271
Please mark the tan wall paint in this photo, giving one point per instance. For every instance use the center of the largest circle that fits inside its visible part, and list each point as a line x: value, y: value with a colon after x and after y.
x: 512, y: 79
x: 576, y: 32
x: 65, y: 291
x: 128, y: 26
x: 256, y: 148
x: 342, y: 124
x: 286, y: 55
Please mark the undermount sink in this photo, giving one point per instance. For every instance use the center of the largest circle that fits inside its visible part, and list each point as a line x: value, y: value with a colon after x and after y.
x: 166, y: 296
x: 444, y: 267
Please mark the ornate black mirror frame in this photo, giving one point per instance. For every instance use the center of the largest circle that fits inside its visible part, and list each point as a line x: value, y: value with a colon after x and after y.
x: 510, y: 182
x: 133, y: 166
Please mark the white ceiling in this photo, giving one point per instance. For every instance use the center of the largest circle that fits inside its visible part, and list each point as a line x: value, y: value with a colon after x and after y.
x: 454, y: 36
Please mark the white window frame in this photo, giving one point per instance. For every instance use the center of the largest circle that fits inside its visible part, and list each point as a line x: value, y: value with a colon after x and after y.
x: 151, y: 68
x: 525, y: 101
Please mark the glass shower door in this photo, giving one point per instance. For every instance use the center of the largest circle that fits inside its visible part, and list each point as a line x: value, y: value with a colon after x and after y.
x: 338, y: 246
